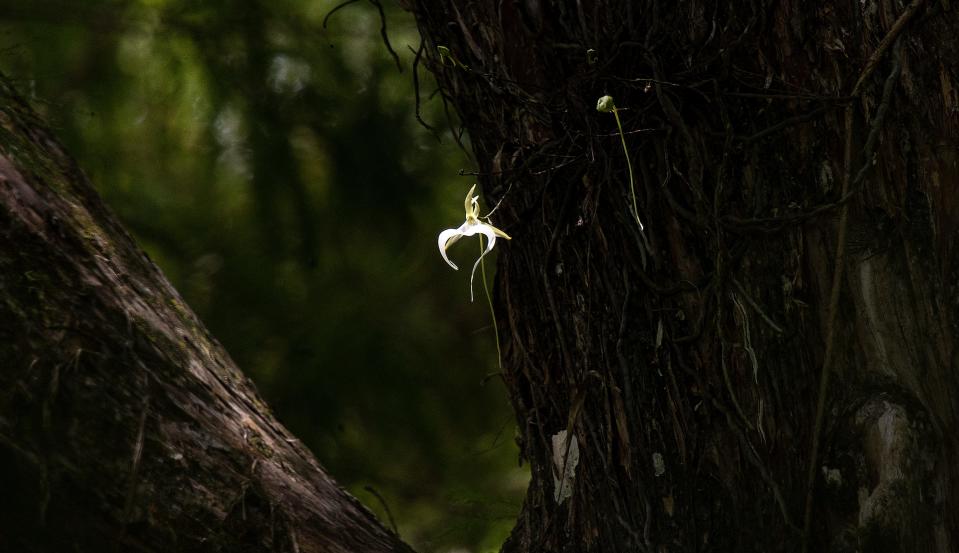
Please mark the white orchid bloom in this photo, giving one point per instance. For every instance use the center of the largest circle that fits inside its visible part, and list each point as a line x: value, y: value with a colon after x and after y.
x: 472, y: 226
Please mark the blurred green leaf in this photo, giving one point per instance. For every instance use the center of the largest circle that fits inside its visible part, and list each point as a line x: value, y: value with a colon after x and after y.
x: 276, y: 172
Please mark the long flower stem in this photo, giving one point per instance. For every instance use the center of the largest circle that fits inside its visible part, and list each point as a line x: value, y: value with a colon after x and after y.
x: 489, y: 301
x: 629, y: 164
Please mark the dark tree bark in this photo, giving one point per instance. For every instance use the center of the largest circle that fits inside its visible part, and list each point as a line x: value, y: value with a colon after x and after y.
x: 771, y: 365
x: 124, y: 426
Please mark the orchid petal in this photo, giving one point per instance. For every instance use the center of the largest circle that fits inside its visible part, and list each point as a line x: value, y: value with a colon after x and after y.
x: 447, y: 238
x: 469, y: 200
x: 487, y: 231
x: 500, y: 233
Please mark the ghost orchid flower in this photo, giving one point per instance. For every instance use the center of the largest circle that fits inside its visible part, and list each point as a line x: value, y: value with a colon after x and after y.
x: 472, y: 226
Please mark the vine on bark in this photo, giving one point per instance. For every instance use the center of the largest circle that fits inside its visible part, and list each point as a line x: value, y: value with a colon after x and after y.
x: 736, y: 129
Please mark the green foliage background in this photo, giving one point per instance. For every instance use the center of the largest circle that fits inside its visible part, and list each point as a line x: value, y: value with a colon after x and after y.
x: 276, y: 172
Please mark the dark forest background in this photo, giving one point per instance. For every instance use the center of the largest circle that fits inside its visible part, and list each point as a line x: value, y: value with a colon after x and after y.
x: 276, y: 172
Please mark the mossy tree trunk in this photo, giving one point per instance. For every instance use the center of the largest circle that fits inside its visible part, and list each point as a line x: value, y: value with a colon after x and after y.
x: 124, y: 426
x: 797, y: 175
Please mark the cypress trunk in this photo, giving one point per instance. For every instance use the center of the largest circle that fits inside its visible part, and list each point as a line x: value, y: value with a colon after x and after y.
x: 763, y: 356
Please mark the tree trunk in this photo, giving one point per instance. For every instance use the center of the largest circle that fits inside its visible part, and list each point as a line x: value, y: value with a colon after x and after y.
x: 769, y: 362
x: 124, y: 426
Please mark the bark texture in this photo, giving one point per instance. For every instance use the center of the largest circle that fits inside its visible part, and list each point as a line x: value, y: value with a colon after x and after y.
x: 124, y: 426
x: 772, y: 142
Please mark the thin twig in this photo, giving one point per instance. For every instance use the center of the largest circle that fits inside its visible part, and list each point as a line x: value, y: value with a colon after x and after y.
x: 500, y: 202
x: 878, y: 120
x: 757, y: 462
x: 386, y: 38
x: 754, y: 305
x: 784, y: 221
x: 449, y: 123
x: 773, y: 96
x: 417, y: 54
x: 386, y: 507
x: 786, y: 123
x: 888, y: 40
x: 729, y: 384
x: 335, y: 9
